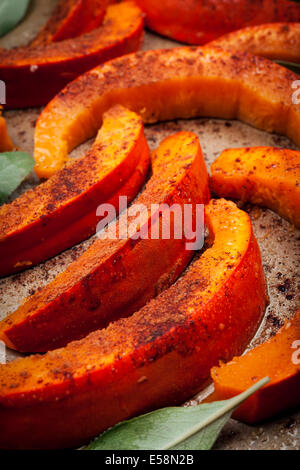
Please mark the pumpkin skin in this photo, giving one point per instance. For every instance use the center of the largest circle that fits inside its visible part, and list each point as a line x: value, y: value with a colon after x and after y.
x: 266, y: 176
x: 273, y: 359
x: 159, y: 356
x: 61, y: 212
x: 35, y: 74
x: 169, y: 84
x: 116, y: 276
x: 201, y: 21
x: 278, y: 41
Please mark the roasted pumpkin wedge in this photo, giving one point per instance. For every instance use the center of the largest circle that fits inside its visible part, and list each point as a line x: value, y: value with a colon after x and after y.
x: 266, y: 176
x: 70, y: 19
x: 161, y: 85
x: 159, y: 356
x: 34, y: 74
x: 201, y: 21
x: 119, y: 274
x: 279, y: 359
x: 61, y: 212
x: 278, y: 41
x: 5, y: 141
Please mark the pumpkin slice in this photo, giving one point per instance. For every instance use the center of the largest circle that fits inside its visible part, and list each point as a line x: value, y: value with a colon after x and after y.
x: 278, y: 41
x: 5, y: 141
x: 34, y: 74
x: 61, y: 212
x: 198, y: 22
x: 159, y: 356
x: 115, y: 277
x: 266, y: 176
x: 279, y: 359
x: 162, y: 85
x: 70, y: 19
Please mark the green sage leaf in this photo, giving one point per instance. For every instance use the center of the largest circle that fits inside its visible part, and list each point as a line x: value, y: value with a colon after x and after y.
x: 14, y: 167
x: 177, y: 428
x: 11, y: 12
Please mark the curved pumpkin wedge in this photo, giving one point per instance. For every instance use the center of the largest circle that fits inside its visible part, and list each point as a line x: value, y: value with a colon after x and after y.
x: 168, y: 84
x: 70, y: 19
x: 279, y: 359
x: 278, y: 41
x: 201, y: 21
x: 5, y: 141
x: 44, y: 70
x: 115, y: 277
x: 266, y: 176
x: 61, y: 212
x: 159, y: 356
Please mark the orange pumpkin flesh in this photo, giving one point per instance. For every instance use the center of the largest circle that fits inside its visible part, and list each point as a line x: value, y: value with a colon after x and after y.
x: 266, y: 176
x: 159, y: 356
x: 169, y: 84
x: 113, y: 278
x: 34, y: 74
x: 61, y: 212
x: 277, y: 359
x: 278, y: 41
